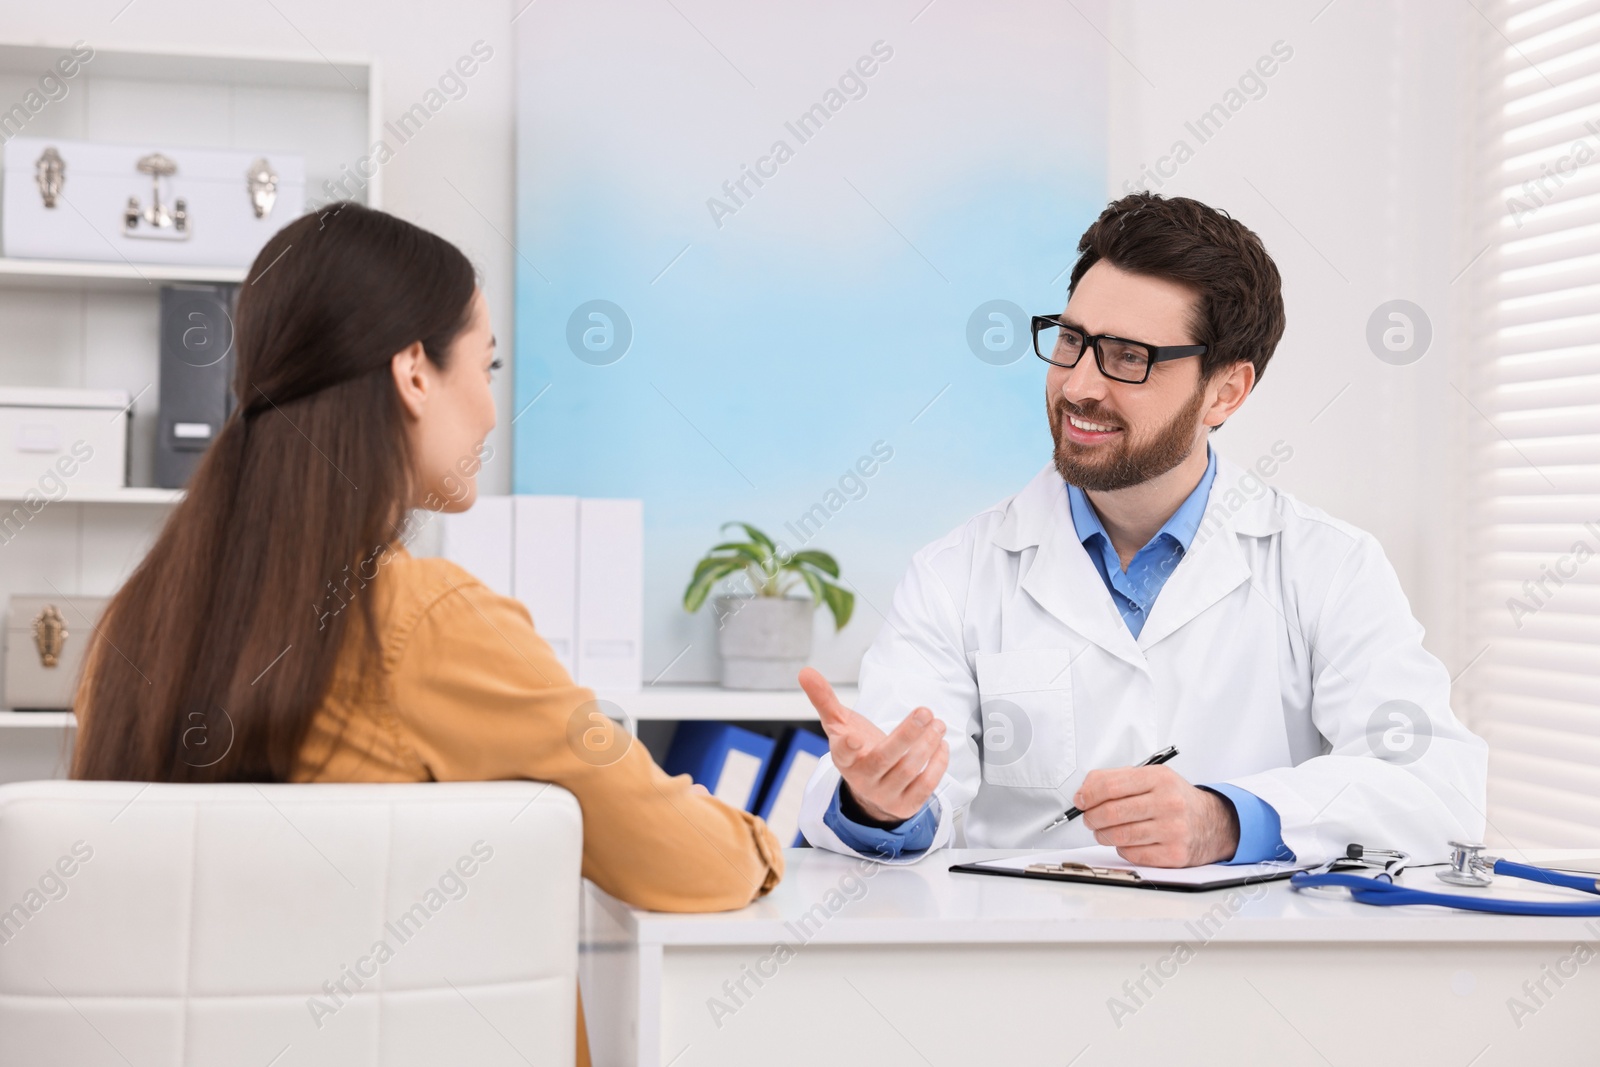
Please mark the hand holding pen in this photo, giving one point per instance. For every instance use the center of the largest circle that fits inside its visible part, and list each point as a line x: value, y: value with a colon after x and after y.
x: 1159, y: 758
x: 1154, y: 817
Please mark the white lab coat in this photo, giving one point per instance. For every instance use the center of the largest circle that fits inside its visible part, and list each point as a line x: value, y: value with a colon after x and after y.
x: 1270, y: 659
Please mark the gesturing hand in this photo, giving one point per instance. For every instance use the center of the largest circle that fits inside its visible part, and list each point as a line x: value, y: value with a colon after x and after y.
x: 1156, y: 819
x: 890, y: 775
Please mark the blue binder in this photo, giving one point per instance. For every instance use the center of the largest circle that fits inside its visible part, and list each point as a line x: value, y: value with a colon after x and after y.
x: 730, y: 761
x: 786, y: 785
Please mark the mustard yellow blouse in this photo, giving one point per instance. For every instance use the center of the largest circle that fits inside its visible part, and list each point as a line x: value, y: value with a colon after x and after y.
x: 475, y: 694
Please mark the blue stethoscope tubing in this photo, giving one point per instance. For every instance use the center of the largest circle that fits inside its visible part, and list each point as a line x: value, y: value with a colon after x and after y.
x: 1381, y: 891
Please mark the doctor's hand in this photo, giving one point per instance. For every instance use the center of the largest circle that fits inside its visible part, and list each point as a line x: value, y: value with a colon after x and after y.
x: 1157, y: 819
x: 891, y: 776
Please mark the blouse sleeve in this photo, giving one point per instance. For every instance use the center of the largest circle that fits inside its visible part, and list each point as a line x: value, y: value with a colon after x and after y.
x: 481, y: 696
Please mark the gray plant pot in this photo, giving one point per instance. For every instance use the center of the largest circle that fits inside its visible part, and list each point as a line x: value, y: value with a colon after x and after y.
x: 764, y: 640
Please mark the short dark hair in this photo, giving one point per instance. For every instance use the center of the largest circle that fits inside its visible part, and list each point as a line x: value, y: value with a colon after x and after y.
x: 1239, y: 314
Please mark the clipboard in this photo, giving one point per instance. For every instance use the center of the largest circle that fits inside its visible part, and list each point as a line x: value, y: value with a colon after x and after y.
x: 1100, y: 865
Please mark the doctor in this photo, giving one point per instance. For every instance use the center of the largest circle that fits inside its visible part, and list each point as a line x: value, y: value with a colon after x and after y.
x: 1142, y: 591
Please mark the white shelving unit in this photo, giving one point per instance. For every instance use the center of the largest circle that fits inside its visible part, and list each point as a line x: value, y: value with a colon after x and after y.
x: 96, y: 324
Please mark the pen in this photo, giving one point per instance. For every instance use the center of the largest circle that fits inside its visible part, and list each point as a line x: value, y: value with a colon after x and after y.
x: 1072, y: 813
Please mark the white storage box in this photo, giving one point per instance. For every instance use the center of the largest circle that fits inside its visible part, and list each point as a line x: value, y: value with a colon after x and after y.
x: 144, y: 203
x: 52, y: 440
x: 46, y: 637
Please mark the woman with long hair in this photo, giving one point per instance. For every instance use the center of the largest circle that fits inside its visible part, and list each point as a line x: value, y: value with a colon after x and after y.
x: 279, y: 630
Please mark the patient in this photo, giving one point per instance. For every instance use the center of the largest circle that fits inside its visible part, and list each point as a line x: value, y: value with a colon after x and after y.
x: 278, y: 630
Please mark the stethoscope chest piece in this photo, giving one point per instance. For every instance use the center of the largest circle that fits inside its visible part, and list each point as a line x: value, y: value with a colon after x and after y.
x: 1468, y: 865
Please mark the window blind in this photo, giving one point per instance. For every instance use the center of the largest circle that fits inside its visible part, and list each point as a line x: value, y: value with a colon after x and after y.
x: 1533, y: 494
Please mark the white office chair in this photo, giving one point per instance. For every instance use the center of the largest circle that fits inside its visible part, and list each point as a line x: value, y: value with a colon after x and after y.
x: 288, y: 925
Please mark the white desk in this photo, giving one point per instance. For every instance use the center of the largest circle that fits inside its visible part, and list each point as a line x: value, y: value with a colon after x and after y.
x: 919, y: 966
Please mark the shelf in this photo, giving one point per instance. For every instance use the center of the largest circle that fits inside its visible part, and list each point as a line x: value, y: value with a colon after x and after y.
x: 96, y: 494
x: 62, y: 273
x: 37, y: 720
x: 685, y: 702
x: 652, y: 703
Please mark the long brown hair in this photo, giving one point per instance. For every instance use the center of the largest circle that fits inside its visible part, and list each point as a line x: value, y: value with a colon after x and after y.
x: 211, y: 660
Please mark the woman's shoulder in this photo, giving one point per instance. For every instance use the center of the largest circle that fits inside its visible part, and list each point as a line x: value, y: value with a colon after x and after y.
x: 424, y: 576
x: 411, y: 588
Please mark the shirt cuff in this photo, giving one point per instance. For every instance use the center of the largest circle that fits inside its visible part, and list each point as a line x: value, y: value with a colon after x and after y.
x: 1260, y: 831
x: 912, y: 836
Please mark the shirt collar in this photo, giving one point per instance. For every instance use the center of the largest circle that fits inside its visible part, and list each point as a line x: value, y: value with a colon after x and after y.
x: 1181, y: 527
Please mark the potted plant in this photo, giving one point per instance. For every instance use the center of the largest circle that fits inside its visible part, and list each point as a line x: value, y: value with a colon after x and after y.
x: 763, y: 633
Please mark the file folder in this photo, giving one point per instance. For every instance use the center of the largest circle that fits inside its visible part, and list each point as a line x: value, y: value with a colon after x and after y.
x: 578, y: 566
x: 544, y: 573
x: 610, y: 594
x: 797, y: 757
x: 730, y: 761
x: 479, y: 539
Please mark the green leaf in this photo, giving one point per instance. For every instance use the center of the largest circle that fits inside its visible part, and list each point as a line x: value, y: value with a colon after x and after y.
x: 755, y: 535
x: 750, y: 552
x: 709, y: 562
x: 841, y: 602
x: 705, y: 578
x: 820, y: 560
x: 815, y: 585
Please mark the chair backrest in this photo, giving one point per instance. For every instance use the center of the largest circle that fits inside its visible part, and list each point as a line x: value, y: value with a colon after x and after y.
x: 288, y: 924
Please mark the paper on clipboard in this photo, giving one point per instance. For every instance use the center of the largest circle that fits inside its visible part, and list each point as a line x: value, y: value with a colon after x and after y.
x: 1104, y: 856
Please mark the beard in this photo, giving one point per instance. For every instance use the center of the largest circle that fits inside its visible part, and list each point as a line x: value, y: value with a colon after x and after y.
x: 1124, y: 463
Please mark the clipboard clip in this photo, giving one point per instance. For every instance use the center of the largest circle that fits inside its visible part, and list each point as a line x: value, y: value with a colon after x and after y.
x: 1109, y: 874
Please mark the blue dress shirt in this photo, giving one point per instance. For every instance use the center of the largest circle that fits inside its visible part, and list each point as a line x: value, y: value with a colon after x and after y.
x: 1134, y: 592
x: 913, y: 835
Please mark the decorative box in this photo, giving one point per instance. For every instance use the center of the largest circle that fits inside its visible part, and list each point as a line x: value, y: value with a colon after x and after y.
x: 141, y: 203
x: 52, y: 440
x: 46, y: 638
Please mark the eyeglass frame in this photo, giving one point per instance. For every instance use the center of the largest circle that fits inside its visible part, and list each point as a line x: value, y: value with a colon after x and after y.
x: 1158, y: 353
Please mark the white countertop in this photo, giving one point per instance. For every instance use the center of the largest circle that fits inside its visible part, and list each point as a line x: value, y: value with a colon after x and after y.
x: 924, y: 903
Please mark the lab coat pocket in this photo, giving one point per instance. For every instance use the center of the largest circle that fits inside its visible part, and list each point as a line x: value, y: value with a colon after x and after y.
x: 1025, y: 702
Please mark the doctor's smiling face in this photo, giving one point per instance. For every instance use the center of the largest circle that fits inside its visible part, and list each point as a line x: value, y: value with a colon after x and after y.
x: 1111, y: 435
x: 1159, y: 271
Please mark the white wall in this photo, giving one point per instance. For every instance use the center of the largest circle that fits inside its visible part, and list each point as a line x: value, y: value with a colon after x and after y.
x: 454, y: 177
x: 1354, y: 168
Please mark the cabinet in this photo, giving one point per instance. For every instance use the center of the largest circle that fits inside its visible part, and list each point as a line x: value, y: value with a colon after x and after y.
x: 95, y: 325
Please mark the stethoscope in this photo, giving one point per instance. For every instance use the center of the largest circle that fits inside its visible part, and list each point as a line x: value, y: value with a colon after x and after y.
x: 1467, y: 866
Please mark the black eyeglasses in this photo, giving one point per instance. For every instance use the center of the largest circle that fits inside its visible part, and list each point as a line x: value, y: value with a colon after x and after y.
x: 1118, y: 358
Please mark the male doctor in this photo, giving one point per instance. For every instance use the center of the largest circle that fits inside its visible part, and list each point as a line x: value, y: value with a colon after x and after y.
x: 1141, y: 592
